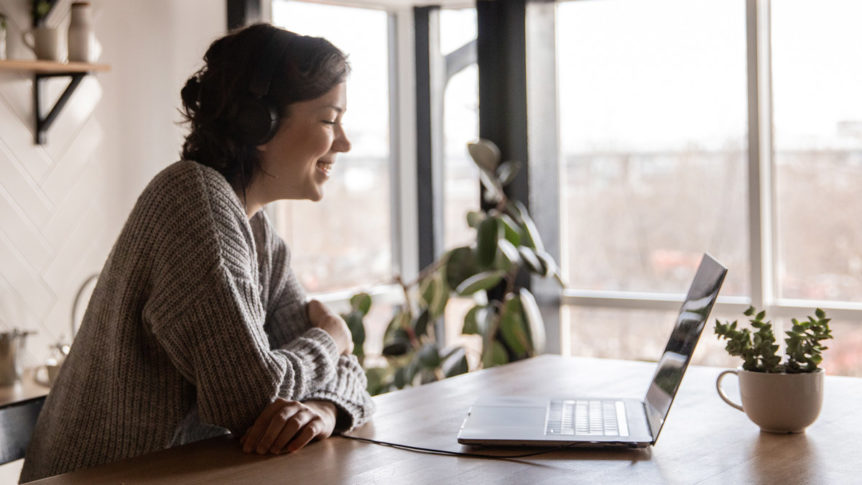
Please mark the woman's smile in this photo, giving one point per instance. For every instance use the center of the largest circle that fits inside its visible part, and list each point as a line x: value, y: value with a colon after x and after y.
x: 325, y: 167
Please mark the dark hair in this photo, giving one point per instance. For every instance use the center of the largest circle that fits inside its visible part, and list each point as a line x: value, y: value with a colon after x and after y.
x: 214, y: 98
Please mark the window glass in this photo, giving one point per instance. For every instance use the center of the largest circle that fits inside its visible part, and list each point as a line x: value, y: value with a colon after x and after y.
x: 642, y: 335
x: 817, y: 93
x: 653, y: 134
x: 460, y: 126
x: 345, y: 240
x: 639, y: 335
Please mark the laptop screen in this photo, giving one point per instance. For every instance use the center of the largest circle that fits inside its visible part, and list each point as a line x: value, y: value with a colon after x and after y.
x: 689, y: 324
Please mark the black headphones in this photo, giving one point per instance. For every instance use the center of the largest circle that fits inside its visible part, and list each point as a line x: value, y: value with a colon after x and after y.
x: 257, y: 120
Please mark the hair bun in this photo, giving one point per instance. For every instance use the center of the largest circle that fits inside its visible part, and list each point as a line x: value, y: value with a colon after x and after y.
x: 191, y: 93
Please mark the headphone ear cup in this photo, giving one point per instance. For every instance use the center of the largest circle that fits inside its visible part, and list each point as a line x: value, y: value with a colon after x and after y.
x: 257, y: 122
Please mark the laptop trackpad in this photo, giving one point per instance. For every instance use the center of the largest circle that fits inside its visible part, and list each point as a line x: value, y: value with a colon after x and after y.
x: 532, y: 417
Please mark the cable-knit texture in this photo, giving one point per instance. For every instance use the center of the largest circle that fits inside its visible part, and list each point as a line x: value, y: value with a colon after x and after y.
x: 195, y: 325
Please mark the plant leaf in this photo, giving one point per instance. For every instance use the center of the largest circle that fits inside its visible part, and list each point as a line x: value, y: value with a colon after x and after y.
x: 428, y: 290
x: 400, y: 380
x: 378, y: 381
x: 357, y: 331
x: 509, y: 251
x: 396, y: 348
x: 420, y: 326
x: 533, y: 317
x: 493, y: 189
x: 485, y: 153
x: 481, y: 281
x: 512, y: 327
x: 361, y: 302
x: 486, y: 245
x: 460, y: 265
x: 531, y: 233
x: 474, y: 218
x: 516, y: 209
x: 507, y: 171
x: 441, y: 296
x: 471, y: 321
x: 548, y: 263
x: 528, y: 255
x: 494, y: 354
x: 510, y: 227
x: 455, y: 363
x: 428, y: 356
x: 396, y: 326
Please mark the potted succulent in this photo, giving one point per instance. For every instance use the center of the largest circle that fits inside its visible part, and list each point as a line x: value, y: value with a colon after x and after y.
x: 781, y: 394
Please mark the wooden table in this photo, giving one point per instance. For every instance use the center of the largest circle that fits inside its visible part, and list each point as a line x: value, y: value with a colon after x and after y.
x: 24, y: 389
x: 703, y: 441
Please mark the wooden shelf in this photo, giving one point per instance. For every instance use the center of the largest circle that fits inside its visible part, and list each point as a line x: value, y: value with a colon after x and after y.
x: 40, y: 70
x: 51, y: 67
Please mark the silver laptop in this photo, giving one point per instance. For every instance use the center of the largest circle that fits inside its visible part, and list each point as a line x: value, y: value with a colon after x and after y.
x: 601, y: 422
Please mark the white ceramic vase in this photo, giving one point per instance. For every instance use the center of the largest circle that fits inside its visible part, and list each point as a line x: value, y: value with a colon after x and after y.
x: 83, y: 46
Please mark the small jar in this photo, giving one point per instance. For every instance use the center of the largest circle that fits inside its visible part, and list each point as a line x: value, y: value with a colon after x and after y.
x: 83, y: 46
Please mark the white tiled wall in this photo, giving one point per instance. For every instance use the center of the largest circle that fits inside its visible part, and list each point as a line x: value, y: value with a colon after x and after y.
x: 62, y: 204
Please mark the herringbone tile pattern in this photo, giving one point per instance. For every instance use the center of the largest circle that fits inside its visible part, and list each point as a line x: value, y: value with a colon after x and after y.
x: 52, y: 208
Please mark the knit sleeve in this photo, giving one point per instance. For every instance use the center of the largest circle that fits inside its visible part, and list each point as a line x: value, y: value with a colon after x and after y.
x: 348, y: 392
x: 218, y: 344
x: 288, y: 319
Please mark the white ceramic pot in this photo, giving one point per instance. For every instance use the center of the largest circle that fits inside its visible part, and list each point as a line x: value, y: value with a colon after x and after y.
x: 777, y: 402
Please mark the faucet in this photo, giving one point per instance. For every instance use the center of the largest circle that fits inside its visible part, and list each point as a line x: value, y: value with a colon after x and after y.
x: 77, y: 302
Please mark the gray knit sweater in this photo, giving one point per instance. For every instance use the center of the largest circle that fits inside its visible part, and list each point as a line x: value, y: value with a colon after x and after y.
x: 196, y: 324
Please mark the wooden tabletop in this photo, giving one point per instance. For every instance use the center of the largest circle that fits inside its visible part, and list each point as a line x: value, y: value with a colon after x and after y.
x: 703, y: 441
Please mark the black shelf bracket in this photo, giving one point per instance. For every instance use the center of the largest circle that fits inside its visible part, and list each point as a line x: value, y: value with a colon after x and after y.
x: 44, y: 123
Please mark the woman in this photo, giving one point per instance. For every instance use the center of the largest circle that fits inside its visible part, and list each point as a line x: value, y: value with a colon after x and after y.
x: 197, y: 325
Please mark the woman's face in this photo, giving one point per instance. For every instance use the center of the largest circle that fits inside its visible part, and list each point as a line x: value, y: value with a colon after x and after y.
x: 299, y: 159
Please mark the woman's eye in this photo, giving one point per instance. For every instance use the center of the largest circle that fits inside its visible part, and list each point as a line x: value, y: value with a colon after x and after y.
x: 329, y: 122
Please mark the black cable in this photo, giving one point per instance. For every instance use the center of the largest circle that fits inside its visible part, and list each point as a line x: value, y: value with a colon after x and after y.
x: 433, y: 451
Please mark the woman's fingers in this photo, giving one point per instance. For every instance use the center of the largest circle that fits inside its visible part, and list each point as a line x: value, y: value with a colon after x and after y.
x: 309, y: 432
x: 288, y: 426
x: 253, y: 435
x: 298, y: 425
x: 287, y: 420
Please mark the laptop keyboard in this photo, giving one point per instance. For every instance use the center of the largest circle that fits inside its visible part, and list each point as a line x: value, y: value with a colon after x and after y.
x: 587, y: 418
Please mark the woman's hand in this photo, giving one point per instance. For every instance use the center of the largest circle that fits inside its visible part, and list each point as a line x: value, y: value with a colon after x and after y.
x: 328, y: 321
x: 286, y: 426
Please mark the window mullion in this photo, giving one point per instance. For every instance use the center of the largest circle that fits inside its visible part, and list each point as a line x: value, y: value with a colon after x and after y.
x: 760, y: 164
x: 402, y: 130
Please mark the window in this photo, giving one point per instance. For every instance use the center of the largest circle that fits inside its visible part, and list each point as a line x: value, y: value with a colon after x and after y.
x: 647, y: 120
x: 345, y: 240
x: 817, y: 75
x: 654, y: 99
x: 460, y: 126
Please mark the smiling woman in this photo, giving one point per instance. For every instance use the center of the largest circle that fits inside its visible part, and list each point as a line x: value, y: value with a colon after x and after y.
x: 197, y: 326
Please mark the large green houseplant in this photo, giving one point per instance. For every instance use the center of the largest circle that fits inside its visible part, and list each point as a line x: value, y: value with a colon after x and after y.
x: 504, y: 314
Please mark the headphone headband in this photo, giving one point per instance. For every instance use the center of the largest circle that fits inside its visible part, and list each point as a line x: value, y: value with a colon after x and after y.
x: 266, y: 65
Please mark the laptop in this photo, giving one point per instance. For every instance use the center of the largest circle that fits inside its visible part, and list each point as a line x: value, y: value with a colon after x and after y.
x: 601, y: 422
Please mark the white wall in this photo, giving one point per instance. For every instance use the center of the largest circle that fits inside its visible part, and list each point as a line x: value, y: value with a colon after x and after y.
x: 63, y: 204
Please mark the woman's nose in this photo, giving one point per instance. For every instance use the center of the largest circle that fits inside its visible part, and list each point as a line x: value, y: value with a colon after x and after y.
x: 341, y: 143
